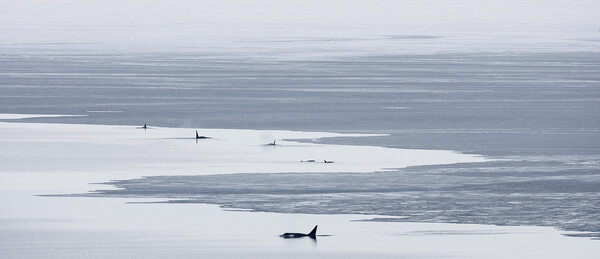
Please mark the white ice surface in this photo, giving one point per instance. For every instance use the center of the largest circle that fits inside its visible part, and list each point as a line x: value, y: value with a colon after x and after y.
x: 101, y: 153
x: 109, y: 228
x: 16, y: 116
x: 57, y: 158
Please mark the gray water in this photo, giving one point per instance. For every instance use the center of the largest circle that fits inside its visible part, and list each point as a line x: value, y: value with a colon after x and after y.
x: 537, y: 109
x: 499, y: 193
x: 487, y: 103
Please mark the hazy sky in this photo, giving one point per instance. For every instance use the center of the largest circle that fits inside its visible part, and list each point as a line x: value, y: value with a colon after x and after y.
x: 114, y: 21
x: 139, y: 12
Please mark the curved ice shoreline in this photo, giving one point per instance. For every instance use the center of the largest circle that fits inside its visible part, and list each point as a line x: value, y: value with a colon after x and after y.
x: 125, y: 152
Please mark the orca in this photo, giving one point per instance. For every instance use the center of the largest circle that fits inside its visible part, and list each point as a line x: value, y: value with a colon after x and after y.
x: 312, y: 234
x: 145, y: 127
x: 327, y: 162
x: 273, y: 144
x: 200, y: 137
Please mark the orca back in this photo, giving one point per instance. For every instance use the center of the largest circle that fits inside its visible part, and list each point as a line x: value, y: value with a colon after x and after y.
x: 312, y: 234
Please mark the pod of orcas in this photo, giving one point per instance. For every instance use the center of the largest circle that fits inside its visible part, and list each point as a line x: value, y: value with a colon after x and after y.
x: 313, y: 233
x: 198, y: 136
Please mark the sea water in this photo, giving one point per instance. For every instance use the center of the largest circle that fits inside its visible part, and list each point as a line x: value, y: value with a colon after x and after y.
x: 515, y: 83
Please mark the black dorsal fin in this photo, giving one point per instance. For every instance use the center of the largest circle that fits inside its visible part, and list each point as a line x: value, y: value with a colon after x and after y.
x: 313, y: 233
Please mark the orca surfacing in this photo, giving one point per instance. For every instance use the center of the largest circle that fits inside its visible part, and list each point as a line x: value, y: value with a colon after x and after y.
x: 200, y: 137
x: 312, y: 234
